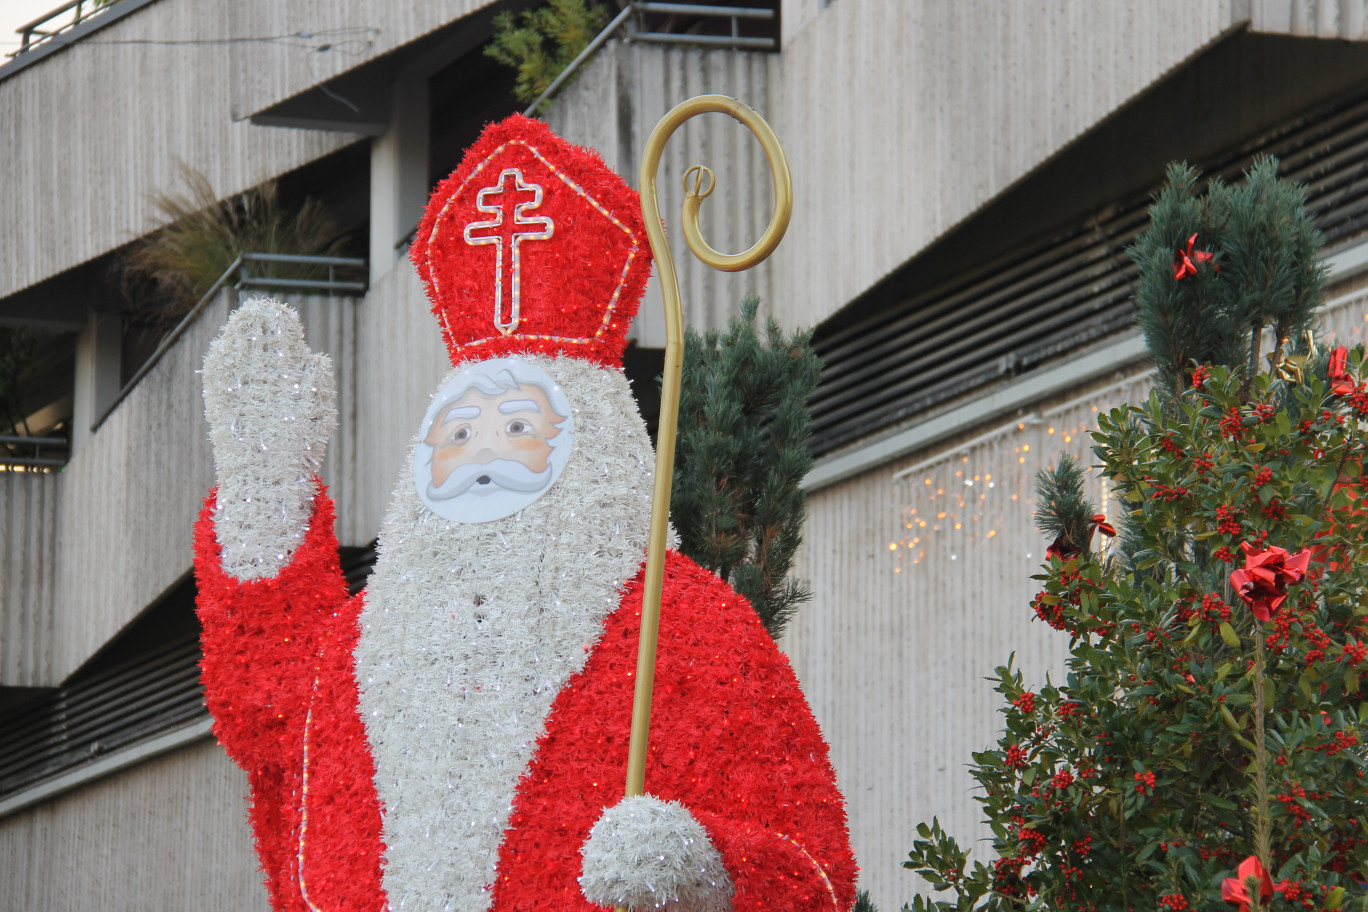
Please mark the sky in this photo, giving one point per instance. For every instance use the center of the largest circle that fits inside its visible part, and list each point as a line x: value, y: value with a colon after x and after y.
x: 14, y: 13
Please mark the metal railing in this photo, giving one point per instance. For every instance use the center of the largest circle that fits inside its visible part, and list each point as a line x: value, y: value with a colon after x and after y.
x: 241, y: 268
x: 331, y: 283
x: 37, y: 461
x: 734, y: 13
x: 734, y: 40
x: 31, y: 34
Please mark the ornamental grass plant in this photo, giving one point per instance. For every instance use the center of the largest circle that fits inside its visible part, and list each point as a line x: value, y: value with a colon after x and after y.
x: 166, y: 272
x: 1204, y: 749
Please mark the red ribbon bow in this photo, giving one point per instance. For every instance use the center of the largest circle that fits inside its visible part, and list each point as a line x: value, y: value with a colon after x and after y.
x: 1185, y: 261
x: 1062, y: 549
x: 1338, y: 372
x: 1233, y: 889
x: 1262, y: 584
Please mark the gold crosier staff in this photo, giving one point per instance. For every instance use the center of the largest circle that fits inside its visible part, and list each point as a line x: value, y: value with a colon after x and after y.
x: 674, y: 359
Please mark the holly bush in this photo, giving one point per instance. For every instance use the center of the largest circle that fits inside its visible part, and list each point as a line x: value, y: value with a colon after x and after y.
x: 1145, y: 777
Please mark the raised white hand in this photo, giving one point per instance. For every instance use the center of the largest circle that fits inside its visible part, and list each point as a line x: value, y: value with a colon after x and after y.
x: 270, y: 404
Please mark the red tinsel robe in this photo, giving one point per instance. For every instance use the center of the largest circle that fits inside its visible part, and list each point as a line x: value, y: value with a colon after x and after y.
x: 731, y: 737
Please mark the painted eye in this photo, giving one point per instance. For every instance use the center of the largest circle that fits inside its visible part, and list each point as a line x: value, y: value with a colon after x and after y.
x: 461, y: 435
x: 518, y: 426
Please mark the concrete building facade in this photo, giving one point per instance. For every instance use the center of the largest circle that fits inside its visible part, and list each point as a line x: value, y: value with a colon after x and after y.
x: 966, y: 175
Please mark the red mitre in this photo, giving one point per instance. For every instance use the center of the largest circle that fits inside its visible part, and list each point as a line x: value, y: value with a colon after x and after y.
x: 533, y: 246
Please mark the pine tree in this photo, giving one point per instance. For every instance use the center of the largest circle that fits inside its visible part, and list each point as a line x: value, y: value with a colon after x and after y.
x: 1216, y: 270
x: 1204, y: 750
x: 741, y: 457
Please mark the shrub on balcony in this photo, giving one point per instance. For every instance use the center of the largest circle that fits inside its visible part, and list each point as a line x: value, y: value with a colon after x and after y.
x: 169, y: 270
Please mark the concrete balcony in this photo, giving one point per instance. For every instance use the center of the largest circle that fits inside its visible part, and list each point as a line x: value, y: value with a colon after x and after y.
x: 84, y: 552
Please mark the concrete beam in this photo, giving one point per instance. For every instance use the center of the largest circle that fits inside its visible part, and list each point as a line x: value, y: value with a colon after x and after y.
x: 98, y: 378
x: 399, y: 174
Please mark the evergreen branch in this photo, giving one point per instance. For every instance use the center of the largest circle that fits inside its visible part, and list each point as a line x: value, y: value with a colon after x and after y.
x: 1063, y: 513
x: 738, y: 503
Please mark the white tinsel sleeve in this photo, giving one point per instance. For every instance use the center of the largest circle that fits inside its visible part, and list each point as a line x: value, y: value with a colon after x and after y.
x: 270, y: 406
x: 645, y: 853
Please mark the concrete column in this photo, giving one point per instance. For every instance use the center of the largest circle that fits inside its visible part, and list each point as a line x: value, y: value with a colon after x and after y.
x: 399, y: 175
x: 98, y: 360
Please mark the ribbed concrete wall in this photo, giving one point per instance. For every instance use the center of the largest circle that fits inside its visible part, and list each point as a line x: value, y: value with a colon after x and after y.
x: 399, y: 364
x: 90, y: 132
x: 1344, y: 319
x: 939, y: 106
x: 360, y: 30
x: 1318, y: 18
x: 130, y: 497
x: 921, y: 586
x: 797, y: 14
x: 899, y: 120
x: 169, y: 834
x: 28, y: 558
x: 614, y: 106
x: 902, y: 119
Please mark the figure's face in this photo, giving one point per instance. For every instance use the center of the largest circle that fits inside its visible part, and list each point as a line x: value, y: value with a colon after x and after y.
x: 493, y: 441
x: 478, y: 429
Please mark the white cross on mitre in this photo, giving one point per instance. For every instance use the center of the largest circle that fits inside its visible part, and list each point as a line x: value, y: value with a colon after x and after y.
x: 544, y: 229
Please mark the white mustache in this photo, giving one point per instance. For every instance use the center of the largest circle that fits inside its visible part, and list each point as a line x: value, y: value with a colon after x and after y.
x: 504, y: 473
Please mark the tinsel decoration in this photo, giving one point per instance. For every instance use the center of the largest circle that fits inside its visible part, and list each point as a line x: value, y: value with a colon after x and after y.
x: 518, y: 636
x: 578, y: 288
x: 277, y: 675
x: 732, y: 739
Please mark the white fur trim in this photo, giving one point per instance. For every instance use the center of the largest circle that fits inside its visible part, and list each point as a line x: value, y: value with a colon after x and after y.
x: 270, y: 406
x: 650, y: 854
x: 470, y: 630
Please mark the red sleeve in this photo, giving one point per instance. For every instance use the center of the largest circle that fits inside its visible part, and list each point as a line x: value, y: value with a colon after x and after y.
x: 260, y: 638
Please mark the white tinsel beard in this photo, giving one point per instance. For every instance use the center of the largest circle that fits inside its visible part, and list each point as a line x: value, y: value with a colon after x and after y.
x: 470, y: 631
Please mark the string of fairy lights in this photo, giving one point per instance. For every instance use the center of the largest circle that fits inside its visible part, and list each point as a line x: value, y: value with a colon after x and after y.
x: 981, y: 493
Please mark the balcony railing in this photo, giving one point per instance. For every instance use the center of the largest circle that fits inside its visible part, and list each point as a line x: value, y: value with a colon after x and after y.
x: 730, y: 35
x: 704, y: 25
x: 239, y: 276
x: 33, y: 454
x: 56, y: 22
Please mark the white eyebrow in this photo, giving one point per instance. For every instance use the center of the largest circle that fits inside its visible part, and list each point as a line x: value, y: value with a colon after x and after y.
x: 518, y: 405
x: 465, y: 411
